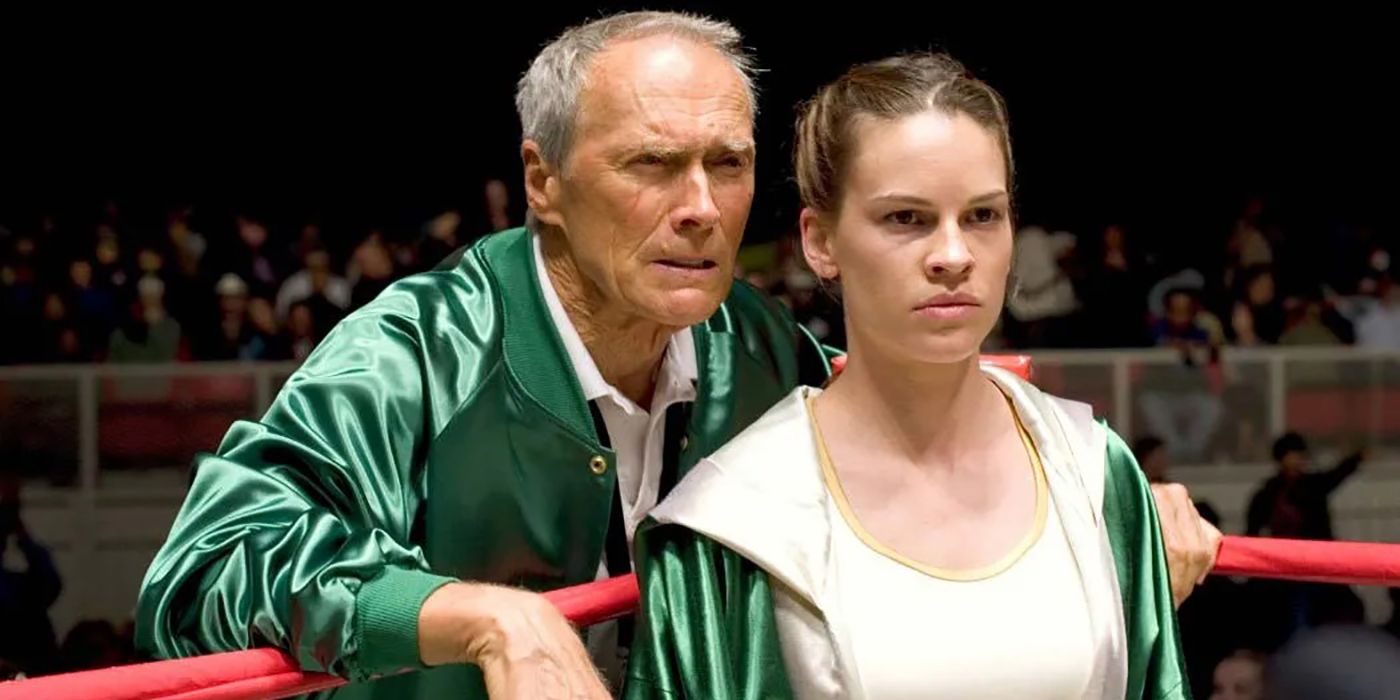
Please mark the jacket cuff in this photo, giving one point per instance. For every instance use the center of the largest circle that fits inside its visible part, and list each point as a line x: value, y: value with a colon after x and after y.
x: 386, y: 619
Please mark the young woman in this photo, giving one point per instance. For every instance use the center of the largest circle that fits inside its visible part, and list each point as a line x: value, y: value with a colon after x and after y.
x: 924, y: 527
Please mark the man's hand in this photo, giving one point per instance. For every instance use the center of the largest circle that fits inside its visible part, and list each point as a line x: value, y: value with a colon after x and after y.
x: 524, y: 647
x: 1191, y: 542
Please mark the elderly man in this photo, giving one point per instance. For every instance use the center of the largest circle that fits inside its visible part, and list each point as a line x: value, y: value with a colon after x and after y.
x: 503, y: 423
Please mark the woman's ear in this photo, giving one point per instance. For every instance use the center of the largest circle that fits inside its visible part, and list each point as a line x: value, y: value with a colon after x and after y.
x: 816, y: 243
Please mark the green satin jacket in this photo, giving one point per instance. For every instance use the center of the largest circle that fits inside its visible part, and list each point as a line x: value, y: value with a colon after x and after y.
x: 708, y: 631
x: 439, y: 433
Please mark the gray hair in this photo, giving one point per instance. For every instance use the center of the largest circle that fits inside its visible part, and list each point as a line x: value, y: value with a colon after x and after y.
x: 547, y: 96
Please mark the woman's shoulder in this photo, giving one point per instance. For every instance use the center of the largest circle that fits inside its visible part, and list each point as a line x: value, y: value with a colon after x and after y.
x: 782, y: 428
x: 774, y: 458
x: 760, y: 495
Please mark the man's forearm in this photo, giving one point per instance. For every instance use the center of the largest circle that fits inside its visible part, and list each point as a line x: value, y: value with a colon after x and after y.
x: 447, y: 622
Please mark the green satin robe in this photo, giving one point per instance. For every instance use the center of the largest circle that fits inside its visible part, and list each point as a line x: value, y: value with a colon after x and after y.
x: 708, y: 632
x: 437, y: 434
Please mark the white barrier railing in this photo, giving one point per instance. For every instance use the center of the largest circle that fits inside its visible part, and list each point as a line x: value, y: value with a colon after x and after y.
x: 1269, y: 389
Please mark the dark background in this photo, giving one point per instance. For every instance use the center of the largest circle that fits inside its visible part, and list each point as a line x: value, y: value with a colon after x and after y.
x: 359, y: 117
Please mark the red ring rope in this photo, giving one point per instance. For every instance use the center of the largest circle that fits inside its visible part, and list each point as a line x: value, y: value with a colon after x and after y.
x: 264, y: 674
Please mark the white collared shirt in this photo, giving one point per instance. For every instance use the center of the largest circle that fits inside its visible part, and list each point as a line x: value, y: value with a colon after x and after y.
x: 637, y: 434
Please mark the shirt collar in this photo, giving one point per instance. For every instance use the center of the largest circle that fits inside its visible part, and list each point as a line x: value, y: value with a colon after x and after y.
x: 679, y: 370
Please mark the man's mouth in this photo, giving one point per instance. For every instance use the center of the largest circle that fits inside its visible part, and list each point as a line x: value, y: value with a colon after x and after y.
x: 689, y: 264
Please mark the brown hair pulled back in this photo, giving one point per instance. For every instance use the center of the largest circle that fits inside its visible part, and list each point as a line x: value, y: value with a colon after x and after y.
x: 886, y: 89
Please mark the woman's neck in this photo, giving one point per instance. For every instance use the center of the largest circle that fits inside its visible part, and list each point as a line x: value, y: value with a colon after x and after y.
x: 931, y: 412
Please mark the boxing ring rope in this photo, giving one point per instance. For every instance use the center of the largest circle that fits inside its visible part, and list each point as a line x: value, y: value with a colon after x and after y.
x: 266, y: 674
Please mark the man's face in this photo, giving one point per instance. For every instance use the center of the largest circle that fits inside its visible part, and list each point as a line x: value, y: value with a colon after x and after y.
x: 1181, y: 309
x: 1155, y: 463
x: 253, y: 233
x: 318, y: 263
x: 656, y: 188
x: 1238, y: 679
x: 1293, y: 463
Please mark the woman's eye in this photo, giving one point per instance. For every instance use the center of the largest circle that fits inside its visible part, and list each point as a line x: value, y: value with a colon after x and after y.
x: 985, y: 215
x: 905, y: 217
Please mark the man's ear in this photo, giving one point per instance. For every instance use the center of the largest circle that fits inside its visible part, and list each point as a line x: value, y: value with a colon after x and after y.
x: 541, y: 184
x: 816, y: 243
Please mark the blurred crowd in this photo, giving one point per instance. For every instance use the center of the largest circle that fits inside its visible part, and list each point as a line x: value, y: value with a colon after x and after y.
x: 116, y: 291
x: 80, y: 291
x: 1256, y: 639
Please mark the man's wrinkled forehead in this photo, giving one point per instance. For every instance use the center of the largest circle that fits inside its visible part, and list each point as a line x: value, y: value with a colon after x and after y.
x: 659, y: 86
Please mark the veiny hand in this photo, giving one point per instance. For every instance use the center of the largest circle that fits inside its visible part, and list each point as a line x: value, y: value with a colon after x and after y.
x: 526, y: 650
x: 1191, y: 542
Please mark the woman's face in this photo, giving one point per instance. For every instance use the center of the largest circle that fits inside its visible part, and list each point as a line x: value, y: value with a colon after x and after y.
x: 922, y: 240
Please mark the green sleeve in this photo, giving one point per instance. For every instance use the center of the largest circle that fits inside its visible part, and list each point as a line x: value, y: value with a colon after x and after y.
x: 295, y: 533
x: 1156, y: 665
x: 706, y: 628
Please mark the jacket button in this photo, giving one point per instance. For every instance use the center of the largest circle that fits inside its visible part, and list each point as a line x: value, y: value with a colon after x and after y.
x: 685, y: 442
x: 598, y: 465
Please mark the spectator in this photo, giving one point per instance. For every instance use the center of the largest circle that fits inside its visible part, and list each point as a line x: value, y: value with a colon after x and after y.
x: 1042, y: 297
x: 188, y: 290
x: 22, y: 305
x: 497, y: 206
x: 29, y: 585
x: 1247, y: 247
x: 1338, y: 662
x: 1307, y: 325
x: 60, y: 338
x: 92, y: 644
x: 308, y: 241
x: 93, y: 307
x: 1215, y: 621
x: 814, y: 307
x: 1151, y: 454
x: 371, y: 269
x: 1178, y: 403
x: 150, y: 261
x: 1378, y: 323
x: 266, y: 341
x: 110, y: 270
x: 187, y: 246
x: 301, y: 331
x: 1257, y: 316
x: 232, y: 331
x: 1239, y: 676
x: 1335, y: 605
x: 440, y: 238
x: 328, y: 295
x: 1115, y: 308
x: 253, y: 260
x: 1191, y: 282
x: 1293, y: 502
x: 149, y: 334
